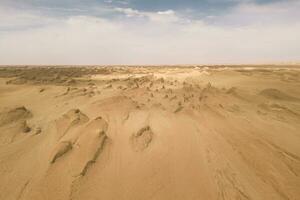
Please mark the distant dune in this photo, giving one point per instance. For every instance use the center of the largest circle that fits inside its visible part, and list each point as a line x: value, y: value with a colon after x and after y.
x: 167, y: 132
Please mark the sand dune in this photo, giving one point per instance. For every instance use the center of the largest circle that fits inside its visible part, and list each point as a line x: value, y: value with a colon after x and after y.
x: 149, y: 133
x: 277, y: 95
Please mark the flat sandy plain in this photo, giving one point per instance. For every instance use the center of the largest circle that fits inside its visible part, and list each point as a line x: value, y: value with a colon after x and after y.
x: 141, y: 133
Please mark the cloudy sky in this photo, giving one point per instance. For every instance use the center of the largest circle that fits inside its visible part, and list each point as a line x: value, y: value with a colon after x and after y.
x: 149, y: 31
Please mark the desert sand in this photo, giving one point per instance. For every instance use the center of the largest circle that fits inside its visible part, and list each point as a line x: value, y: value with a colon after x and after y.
x: 141, y: 133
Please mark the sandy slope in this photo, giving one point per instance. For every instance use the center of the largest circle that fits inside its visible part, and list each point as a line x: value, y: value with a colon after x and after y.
x: 149, y: 133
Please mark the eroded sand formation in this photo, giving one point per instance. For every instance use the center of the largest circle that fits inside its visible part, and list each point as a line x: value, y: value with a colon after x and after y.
x: 149, y: 133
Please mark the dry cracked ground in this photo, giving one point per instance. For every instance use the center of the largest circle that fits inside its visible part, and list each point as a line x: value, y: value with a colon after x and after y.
x: 132, y: 133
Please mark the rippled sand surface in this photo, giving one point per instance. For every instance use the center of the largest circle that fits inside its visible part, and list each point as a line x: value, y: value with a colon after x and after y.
x: 132, y: 133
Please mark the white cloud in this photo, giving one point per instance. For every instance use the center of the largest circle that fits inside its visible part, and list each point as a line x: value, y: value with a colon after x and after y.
x: 160, y: 16
x: 167, y: 12
x: 129, y: 12
x: 158, y: 38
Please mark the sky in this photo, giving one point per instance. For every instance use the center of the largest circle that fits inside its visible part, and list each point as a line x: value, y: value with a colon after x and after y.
x: 149, y: 32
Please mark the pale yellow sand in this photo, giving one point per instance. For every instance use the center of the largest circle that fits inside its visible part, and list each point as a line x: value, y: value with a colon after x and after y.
x: 144, y: 133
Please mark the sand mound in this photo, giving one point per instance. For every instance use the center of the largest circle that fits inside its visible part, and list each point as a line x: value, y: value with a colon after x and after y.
x: 141, y: 139
x: 72, y: 118
x: 14, y: 115
x: 178, y: 109
x: 76, y: 116
x: 279, y: 108
x: 232, y: 90
x: 102, y: 140
x: 91, y: 141
x: 24, y: 127
x: 45, y: 75
x: 73, y: 92
x: 207, y: 91
x: 13, y: 122
x: 276, y: 94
